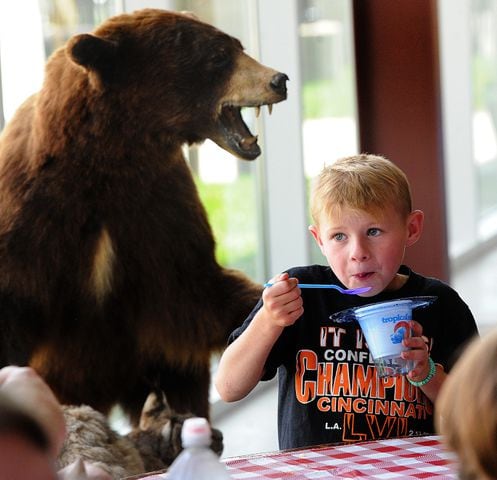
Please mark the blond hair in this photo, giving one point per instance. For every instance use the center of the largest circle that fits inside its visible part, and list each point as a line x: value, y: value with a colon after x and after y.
x: 361, y: 182
x: 467, y: 409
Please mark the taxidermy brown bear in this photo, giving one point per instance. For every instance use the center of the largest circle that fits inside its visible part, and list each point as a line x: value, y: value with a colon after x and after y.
x: 109, y: 286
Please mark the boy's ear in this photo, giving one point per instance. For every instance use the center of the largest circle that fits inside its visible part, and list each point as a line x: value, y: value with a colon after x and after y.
x: 315, y: 233
x: 414, y: 227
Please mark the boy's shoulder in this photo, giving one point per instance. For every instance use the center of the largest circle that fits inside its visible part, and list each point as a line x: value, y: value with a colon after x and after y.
x: 418, y: 284
x: 418, y: 279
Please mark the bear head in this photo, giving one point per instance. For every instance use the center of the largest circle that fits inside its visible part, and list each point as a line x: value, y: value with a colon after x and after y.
x: 184, y: 78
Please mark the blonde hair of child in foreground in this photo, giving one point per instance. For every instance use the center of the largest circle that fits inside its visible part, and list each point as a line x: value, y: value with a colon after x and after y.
x: 467, y: 409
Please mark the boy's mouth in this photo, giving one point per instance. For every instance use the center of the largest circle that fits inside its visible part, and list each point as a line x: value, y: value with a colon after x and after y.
x: 364, y: 275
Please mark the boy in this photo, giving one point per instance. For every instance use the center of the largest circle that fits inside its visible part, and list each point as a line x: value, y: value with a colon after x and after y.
x: 329, y: 390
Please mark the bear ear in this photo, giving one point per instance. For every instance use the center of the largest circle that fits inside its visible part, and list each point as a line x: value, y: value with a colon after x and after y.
x: 93, y: 53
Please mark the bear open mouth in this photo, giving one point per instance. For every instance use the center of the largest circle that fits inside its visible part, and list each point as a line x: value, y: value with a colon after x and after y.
x: 237, y: 138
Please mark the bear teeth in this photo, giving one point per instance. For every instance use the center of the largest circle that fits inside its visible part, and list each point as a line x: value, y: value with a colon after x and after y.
x: 257, y: 108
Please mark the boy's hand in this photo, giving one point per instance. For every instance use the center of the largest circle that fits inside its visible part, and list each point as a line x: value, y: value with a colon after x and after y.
x: 418, y: 352
x: 282, y: 301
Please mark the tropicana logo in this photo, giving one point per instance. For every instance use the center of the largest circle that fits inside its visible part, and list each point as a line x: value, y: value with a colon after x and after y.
x: 395, y: 318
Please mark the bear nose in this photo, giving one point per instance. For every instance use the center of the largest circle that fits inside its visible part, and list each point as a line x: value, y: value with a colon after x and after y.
x: 278, y: 83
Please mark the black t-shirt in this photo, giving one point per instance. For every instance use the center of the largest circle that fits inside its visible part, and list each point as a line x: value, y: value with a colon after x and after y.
x: 329, y: 390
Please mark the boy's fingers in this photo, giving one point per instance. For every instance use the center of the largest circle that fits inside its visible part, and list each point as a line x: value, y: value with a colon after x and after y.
x: 416, y: 343
x: 278, y: 278
x: 284, y: 279
x: 416, y: 328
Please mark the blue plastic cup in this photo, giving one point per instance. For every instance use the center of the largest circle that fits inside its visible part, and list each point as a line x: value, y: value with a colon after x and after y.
x: 384, y: 326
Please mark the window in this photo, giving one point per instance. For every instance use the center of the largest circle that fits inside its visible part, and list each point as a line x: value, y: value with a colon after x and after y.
x: 61, y: 20
x: 31, y: 30
x: 483, y: 24
x: 329, y: 128
x: 229, y: 187
x: 21, y: 37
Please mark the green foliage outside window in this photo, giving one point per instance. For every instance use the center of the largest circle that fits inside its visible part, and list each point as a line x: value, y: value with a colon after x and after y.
x: 329, y: 97
x: 233, y: 221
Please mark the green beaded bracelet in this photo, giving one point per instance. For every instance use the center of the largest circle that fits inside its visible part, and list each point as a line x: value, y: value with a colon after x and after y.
x: 428, y: 377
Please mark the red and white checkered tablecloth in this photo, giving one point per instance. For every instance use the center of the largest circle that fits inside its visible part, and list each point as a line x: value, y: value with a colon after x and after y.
x: 405, y: 458
x: 396, y: 458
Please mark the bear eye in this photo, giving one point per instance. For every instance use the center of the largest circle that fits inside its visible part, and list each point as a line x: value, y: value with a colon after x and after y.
x: 220, y: 58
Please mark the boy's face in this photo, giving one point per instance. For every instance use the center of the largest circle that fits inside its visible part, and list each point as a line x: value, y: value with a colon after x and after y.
x: 366, y: 249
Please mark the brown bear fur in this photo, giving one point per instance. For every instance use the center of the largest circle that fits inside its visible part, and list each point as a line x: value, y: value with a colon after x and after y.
x: 109, y: 286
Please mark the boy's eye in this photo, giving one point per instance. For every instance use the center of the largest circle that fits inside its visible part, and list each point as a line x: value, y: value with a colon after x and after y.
x: 339, y: 237
x: 373, y: 232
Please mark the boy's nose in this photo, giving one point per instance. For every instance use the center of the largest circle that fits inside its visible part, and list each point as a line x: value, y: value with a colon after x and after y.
x: 359, y: 252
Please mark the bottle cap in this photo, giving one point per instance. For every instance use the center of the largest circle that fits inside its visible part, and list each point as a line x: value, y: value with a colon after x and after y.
x: 196, y: 432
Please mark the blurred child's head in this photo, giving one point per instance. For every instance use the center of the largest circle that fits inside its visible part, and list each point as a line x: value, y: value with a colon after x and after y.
x: 363, y: 221
x: 361, y: 182
x: 24, y: 446
x: 466, y: 409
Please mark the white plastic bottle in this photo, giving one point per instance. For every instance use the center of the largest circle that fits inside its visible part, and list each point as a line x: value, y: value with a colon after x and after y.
x: 197, y: 461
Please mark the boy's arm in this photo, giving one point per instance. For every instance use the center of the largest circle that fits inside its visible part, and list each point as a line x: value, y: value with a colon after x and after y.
x: 242, y: 364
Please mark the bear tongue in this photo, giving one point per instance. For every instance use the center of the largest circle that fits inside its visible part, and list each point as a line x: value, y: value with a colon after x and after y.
x: 247, y: 143
x: 234, y: 135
